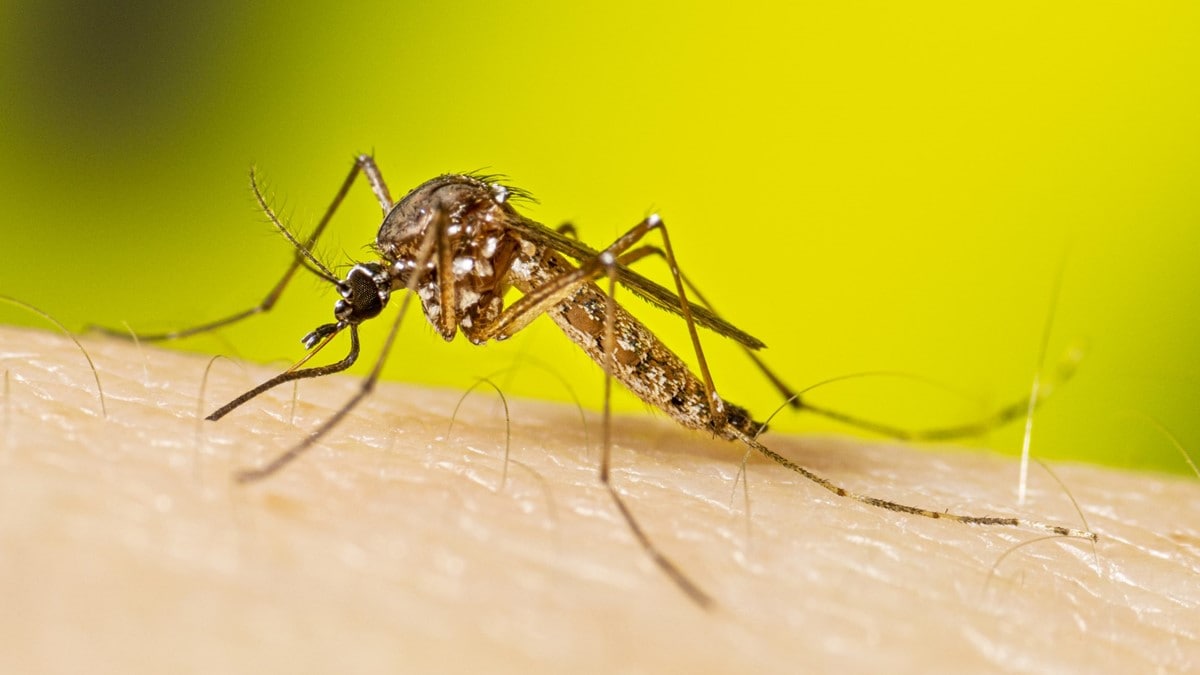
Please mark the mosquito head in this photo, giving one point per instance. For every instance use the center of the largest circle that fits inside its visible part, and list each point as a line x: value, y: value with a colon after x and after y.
x: 365, y: 292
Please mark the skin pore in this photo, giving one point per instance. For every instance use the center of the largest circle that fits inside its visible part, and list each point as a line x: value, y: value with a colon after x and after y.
x: 392, y: 546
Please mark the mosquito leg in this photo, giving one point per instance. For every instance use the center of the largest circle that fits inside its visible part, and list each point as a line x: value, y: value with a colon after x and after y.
x: 840, y: 491
x: 424, y: 254
x: 443, y: 254
x: 303, y: 257
x: 716, y: 407
x: 1000, y: 417
x: 796, y: 400
x: 664, y: 563
x: 535, y: 302
x: 776, y: 381
x: 540, y: 299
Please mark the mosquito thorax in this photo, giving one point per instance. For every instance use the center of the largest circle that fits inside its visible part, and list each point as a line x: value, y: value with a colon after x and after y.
x: 466, y: 201
x: 466, y: 223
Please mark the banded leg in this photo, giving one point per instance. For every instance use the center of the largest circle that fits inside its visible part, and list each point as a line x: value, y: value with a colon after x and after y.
x: 539, y: 300
x: 944, y: 433
x: 557, y: 289
x: 1004, y: 521
x: 664, y: 563
x: 789, y: 394
x: 364, y: 164
x: 795, y: 399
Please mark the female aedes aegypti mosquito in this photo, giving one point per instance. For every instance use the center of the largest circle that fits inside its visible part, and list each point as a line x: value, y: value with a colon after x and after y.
x: 458, y: 244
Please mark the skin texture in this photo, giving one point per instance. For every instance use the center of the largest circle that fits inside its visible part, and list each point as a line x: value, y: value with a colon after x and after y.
x: 393, y: 547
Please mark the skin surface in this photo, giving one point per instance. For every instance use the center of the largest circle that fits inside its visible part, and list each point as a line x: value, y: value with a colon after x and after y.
x: 393, y: 547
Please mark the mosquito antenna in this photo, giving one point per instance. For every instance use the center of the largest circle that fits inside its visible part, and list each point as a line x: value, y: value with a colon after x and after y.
x: 312, y: 269
x: 424, y: 254
x: 317, y: 267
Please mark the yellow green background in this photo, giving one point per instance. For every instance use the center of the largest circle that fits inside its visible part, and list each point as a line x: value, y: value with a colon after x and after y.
x: 864, y: 185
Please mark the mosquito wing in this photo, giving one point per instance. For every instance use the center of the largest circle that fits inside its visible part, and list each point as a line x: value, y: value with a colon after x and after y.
x: 636, y: 283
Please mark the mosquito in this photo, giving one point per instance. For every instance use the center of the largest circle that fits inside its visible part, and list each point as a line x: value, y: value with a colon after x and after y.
x: 458, y: 243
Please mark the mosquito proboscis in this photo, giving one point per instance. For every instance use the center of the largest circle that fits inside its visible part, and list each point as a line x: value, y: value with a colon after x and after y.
x: 458, y: 243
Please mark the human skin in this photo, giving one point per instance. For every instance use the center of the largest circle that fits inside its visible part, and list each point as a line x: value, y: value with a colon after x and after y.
x: 397, y: 546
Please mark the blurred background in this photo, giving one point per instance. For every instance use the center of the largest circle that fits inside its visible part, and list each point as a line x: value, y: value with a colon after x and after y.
x: 864, y: 186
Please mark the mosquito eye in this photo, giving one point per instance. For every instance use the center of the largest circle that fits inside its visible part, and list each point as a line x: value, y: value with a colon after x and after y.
x: 364, y: 293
